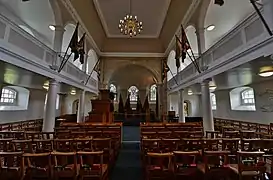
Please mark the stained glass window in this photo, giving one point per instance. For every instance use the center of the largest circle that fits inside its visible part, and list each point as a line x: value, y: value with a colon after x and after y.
x: 133, y: 91
x: 114, y: 90
x: 8, y: 96
x: 153, y: 93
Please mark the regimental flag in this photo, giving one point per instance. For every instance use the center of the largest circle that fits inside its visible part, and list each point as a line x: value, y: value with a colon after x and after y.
x: 81, y: 46
x: 139, y: 105
x: 120, y: 105
x: 165, y: 70
x: 73, y: 44
x: 178, y: 52
x: 146, y: 106
x: 185, y: 45
x: 128, y: 105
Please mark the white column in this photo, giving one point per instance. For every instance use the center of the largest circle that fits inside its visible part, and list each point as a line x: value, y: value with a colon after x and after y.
x: 50, y: 108
x: 181, y: 106
x: 208, y: 123
x: 80, y: 114
x: 268, y: 12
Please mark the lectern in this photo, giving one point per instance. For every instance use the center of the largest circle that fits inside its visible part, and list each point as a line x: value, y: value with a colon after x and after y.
x: 101, y: 111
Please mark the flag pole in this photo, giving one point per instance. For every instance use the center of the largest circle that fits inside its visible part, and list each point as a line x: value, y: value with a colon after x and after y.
x: 262, y: 17
x: 63, y: 64
x: 63, y: 59
x: 173, y: 76
x: 92, y: 72
x: 194, y: 63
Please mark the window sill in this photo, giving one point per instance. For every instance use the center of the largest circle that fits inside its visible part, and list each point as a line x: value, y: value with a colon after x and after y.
x: 244, y: 108
x: 12, y: 108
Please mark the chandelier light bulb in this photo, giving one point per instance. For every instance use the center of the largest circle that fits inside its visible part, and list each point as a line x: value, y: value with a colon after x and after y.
x: 129, y: 25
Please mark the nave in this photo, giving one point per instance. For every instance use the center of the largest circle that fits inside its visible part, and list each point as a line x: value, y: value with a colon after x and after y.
x: 235, y: 150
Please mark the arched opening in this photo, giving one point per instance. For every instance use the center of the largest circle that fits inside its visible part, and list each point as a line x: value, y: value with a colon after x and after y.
x: 91, y: 62
x: 69, y: 30
x: 172, y: 66
x: 14, y: 98
x: 191, y: 35
x: 75, y: 105
x: 133, y: 93
x: 32, y: 16
x: 187, y: 108
x: 213, y: 101
x: 242, y: 99
x: 224, y: 18
x: 153, y: 90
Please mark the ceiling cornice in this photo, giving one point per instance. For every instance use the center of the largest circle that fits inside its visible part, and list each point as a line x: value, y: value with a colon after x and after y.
x: 124, y: 54
x: 77, y: 18
x: 109, y: 35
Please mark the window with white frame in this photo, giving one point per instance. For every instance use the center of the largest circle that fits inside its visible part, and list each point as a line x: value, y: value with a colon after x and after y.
x: 133, y: 92
x: 213, y: 101
x: 113, y: 89
x: 153, y: 93
x: 8, y: 96
x: 247, y: 97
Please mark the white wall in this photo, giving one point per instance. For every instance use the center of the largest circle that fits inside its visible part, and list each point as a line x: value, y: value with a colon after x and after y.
x: 35, y: 109
x: 263, y: 93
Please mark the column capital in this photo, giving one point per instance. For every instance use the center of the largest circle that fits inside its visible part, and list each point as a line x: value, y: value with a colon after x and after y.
x: 206, y: 81
x: 53, y: 82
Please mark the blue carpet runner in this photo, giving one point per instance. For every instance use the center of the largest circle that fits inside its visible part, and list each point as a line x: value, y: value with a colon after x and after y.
x: 128, y: 164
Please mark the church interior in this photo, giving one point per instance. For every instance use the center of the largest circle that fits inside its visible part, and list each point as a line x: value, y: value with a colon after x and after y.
x: 135, y: 89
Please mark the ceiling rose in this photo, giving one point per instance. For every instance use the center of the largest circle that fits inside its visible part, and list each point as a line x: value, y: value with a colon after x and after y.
x: 129, y: 25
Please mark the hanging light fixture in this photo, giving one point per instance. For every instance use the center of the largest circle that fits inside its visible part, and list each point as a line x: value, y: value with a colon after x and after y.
x: 130, y: 25
x: 266, y: 71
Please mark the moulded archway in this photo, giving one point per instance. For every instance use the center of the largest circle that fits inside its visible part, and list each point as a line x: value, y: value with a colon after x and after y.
x: 69, y: 30
x: 91, y: 62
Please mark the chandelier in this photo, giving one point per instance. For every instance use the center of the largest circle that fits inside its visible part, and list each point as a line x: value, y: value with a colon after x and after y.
x: 130, y: 25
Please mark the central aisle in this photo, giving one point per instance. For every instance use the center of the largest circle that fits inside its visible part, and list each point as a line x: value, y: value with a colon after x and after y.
x: 128, y: 165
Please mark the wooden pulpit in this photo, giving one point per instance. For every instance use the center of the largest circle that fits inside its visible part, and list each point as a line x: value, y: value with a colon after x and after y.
x: 101, y: 111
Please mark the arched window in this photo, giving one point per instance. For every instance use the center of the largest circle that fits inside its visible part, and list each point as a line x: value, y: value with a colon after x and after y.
x: 133, y: 91
x: 114, y: 90
x: 247, y: 97
x: 153, y: 93
x: 213, y: 101
x: 8, y: 96
x: 242, y: 99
